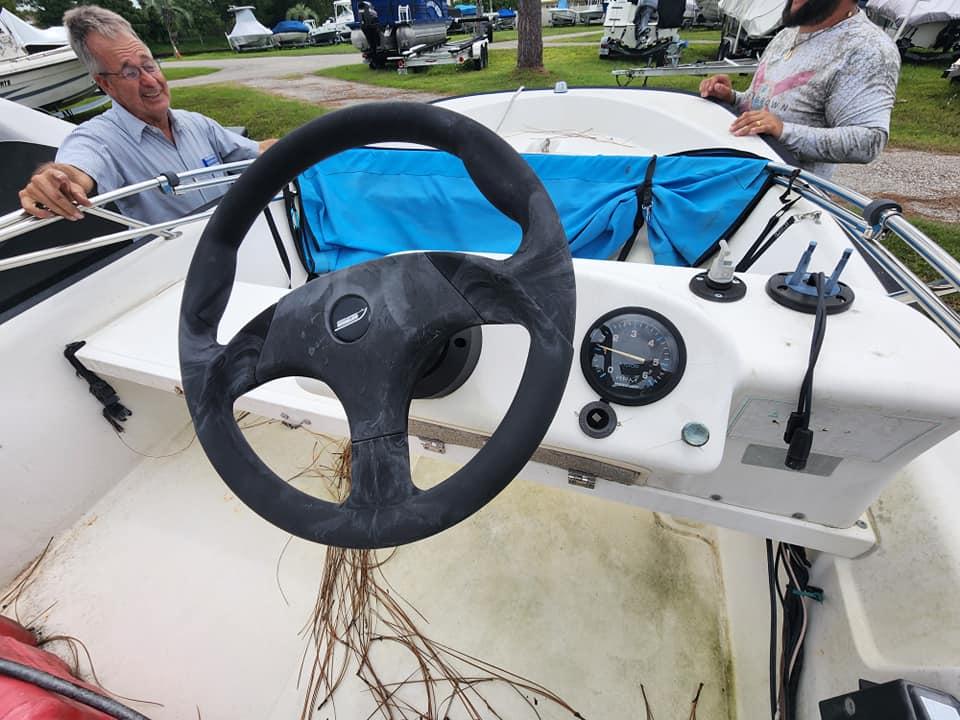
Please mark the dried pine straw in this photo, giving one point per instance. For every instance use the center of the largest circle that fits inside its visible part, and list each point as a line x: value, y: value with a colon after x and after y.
x: 693, y: 703
x: 357, y: 611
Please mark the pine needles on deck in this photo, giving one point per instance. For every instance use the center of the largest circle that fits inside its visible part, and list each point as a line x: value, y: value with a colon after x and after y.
x: 359, y: 616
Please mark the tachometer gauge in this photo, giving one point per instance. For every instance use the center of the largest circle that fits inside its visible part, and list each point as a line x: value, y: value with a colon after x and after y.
x: 633, y: 356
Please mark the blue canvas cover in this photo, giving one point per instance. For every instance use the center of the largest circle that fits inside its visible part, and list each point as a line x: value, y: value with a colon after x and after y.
x: 421, y: 11
x: 285, y: 26
x: 367, y: 203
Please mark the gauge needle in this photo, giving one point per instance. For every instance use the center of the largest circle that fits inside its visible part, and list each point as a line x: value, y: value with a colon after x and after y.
x: 625, y: 354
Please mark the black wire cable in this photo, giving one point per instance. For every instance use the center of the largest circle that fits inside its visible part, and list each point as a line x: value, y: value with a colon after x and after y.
x: 805, y: 401
x: 773, y: 629
x: 795, y: 625
x: 798, y: 435
x: 45, y: 680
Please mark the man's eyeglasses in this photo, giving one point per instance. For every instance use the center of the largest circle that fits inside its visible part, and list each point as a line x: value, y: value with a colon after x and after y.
x: 132, y: 72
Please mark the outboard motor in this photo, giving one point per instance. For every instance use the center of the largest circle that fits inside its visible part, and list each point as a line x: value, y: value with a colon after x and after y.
x: 625, y: 35
x: 670, y: 14
x: 370, y: 26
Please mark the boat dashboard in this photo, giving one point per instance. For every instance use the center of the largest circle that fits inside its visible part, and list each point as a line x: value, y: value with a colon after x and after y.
x: 669, y: 391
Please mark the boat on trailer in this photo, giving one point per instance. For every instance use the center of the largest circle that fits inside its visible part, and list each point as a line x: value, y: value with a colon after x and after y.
x: 658, y: 44
x: 919, y: 24
x: 659, y: 527
x: 292, y: 33
x: 248, y: 33
x: 37, y: 68
x: 326, y: 34
x: 747, y: 26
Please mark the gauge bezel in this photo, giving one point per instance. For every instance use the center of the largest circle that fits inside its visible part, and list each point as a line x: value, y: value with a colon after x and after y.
x: 628, y: 397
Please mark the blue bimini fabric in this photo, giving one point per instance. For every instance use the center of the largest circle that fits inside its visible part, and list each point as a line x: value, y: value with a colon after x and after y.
x: 367, y: 203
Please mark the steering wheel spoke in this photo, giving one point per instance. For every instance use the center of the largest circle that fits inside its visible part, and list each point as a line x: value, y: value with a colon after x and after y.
x: 380, y: 473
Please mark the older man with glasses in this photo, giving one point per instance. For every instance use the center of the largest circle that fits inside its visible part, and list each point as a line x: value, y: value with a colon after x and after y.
x: 140, y: 137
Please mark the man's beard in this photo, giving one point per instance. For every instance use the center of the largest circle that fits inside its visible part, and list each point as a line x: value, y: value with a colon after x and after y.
x: 813, y: 12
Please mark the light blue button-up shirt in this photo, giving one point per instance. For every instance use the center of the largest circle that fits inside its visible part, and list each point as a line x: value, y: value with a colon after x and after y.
x: 117, y: 149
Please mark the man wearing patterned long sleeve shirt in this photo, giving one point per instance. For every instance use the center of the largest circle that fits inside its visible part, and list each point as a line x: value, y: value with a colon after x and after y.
x: 825, y: 86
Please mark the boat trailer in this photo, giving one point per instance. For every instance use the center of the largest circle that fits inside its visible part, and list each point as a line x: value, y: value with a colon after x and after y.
x: 727, y: 65
x: 475, y: 51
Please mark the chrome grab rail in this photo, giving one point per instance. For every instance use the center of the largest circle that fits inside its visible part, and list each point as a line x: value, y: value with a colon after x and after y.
x: 815, y: 189
x: 19, y: 222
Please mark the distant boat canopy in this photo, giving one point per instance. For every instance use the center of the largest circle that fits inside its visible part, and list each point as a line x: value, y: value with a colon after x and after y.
x: 248, y: 33
x: 29, y: 38
x: 918, y: 13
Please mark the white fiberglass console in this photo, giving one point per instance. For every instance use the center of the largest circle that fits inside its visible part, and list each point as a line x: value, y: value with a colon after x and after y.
x: 711, y: 446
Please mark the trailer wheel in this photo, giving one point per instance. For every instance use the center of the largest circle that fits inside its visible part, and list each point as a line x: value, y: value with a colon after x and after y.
x: 481, y: 62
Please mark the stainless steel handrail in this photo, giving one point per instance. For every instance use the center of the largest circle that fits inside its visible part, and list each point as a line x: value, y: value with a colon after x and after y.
x: 19, y: 222
x: 165, y: 229
x: 818, y: 190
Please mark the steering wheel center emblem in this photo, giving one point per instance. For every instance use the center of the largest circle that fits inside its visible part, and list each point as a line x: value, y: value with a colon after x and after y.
x: 350, y: 318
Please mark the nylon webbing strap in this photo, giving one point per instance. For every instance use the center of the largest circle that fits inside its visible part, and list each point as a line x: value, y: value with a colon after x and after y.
x: 752, y: 254
x: 644, y: 207
x: 278, y: 241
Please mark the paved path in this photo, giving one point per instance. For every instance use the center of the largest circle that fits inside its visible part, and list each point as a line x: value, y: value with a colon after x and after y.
x: 926, y: 183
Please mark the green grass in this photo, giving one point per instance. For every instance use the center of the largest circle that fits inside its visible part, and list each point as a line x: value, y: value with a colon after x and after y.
x: 594, y: 33
x: 593, y: 37
x: 264, y: 115
x: 181, y: 73
x: 342, y: 48
x: 946, y: 235
x: 701, y: 34
x: 190, y: 45
x: 575, y: 65
x: 926, y: 113
x: 507, y: 35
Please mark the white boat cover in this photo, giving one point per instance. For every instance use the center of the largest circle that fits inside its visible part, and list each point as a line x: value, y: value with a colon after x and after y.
x: 247, y: 24
x: 922, y: 12
x: 28, y: 36
x: 758, y: 17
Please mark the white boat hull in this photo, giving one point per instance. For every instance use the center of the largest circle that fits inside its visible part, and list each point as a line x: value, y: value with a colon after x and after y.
x: 45, y: 80
x: 251, y: 42
x: 323, y: 37
x: 291, y: 38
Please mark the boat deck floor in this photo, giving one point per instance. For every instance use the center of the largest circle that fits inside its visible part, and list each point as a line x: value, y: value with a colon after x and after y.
x: 185, y: 597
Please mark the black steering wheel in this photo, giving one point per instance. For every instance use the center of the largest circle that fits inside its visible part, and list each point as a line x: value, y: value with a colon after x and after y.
x: 369, y: 331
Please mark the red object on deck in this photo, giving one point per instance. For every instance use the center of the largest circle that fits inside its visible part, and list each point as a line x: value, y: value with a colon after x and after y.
x: 22, y: 701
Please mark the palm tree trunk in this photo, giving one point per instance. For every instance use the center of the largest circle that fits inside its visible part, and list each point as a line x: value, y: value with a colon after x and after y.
x: 529, y: 35
x: 167, y: 17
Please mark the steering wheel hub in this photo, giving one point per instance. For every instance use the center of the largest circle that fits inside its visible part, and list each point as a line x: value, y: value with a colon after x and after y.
x: 350, y: 318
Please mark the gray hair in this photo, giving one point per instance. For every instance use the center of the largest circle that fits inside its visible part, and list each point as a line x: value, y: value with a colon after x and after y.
x: 85, y: 19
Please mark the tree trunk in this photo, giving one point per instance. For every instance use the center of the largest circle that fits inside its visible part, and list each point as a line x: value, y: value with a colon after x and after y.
x: 529, y: 35
x: 167, y: 17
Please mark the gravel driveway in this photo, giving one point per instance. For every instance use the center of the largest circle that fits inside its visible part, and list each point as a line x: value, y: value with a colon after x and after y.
x: 293, y: 77
x: 925, y: 183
